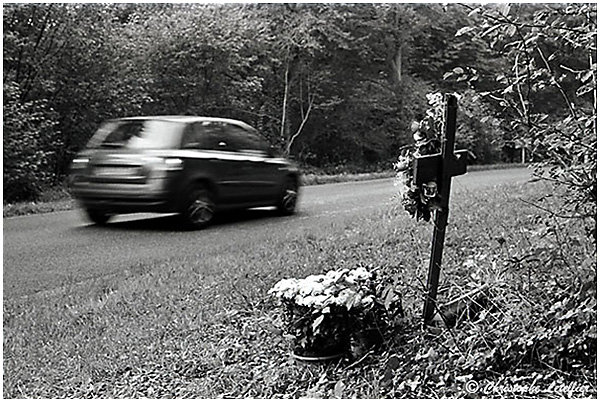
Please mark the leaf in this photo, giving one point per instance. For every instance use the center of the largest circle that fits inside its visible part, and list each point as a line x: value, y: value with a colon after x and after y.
x: 475, y: 11
x: 351, y: 301
x: 448, y: 75
x: 389, y: 298
x: 505, y: 9
x: 463, y: 31
x: 388, y: 375
x: 317, y: 322
x: 587, y: 76
x: 511, y: 30
x: 393, y: 362
x: 490, y: 30
x: 589, y: 87
x: 339, y: 388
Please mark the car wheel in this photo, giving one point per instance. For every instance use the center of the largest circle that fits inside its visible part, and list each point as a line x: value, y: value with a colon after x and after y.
x: 98, y: 216
x: 199, y: 209
x: 289, y: 197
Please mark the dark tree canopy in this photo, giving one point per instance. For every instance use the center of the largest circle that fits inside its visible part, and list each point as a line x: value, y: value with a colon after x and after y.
x: 333, y: 85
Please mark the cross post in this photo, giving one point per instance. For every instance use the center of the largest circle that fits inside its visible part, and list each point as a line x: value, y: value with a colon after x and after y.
x: 440, y: 168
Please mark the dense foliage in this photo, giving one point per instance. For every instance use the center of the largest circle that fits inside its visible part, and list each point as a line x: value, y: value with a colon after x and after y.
x: 332, y: 85
x: 546, y: 97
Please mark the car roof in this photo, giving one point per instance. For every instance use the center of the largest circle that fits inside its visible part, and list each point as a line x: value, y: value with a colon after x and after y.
x: 186, y: 119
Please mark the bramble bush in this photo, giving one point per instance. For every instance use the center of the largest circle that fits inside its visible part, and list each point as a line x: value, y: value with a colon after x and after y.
x: 546, y: 96
x: 544, y: 310
x: 539, y: 305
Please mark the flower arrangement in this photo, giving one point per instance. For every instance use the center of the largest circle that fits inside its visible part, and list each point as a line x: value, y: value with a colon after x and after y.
x: 420, y: 202
x: 323, y: 312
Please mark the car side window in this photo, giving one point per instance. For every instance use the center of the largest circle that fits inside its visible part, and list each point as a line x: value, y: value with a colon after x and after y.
x: 246, y: 140
x: 205, y: 135
x: 189, y: 139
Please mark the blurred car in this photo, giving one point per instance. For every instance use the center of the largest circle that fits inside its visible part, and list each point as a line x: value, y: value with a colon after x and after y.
x: 194, y: 166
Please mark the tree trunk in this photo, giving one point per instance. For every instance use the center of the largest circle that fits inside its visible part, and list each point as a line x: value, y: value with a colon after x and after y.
x: 397, y: 66
x: 284, y: 121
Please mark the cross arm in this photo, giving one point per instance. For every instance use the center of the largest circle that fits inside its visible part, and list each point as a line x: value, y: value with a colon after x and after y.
x: 429, y: 168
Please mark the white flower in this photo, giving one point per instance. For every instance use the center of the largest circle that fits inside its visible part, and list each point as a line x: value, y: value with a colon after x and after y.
x: 305, y: 289
x: 285, y: 288
x: 321, y: 291
x: 434, y: 98
x: 403, y: 163
x: 328, y: 285
x: 317, y: 289
x: 303, y: 300
x: 314, y: 278
x: 336, y: 275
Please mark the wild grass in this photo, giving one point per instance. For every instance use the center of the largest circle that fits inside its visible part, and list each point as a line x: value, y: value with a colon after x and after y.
x: 203, y: 326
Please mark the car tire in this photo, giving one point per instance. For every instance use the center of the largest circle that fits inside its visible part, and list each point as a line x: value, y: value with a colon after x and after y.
x: 289, y: 197
x: 199, y: 209
x: 98, y: 216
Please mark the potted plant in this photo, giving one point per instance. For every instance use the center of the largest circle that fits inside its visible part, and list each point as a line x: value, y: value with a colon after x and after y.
x: 325, y: 313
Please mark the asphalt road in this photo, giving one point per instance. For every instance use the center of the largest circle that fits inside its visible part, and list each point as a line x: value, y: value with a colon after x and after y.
x: 44, y: 251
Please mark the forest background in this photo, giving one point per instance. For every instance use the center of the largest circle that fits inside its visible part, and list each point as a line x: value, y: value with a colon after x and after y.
x: 335, y: 86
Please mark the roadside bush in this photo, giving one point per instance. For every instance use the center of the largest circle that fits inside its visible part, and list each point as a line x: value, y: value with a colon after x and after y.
x: 30, y: 141
x: 517, y: 310
x: 546, y: 95
x: 528, y: 307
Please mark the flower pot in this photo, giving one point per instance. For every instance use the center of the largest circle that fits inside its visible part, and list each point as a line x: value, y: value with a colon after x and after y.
x: 317, y: 359
x: 320, y: 350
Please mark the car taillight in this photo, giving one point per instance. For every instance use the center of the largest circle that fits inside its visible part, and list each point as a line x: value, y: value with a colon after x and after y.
x: 78, y: 168
x: 155, y: 166
x: 173, y: 164
x: 80, y: 163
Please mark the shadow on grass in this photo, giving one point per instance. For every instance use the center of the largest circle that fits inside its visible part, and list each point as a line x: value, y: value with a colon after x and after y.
x: 172, y: 222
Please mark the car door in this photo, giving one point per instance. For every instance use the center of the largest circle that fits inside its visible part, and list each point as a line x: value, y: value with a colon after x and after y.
x: 213, y: 157
x: 260, y: 172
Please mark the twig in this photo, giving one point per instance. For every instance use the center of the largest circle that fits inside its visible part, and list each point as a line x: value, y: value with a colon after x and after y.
x: 356, y: 363
x: 553, y: 212
x: 466, y: 295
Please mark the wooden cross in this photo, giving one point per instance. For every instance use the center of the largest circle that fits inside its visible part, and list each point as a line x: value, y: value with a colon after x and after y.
x: 440, y: 168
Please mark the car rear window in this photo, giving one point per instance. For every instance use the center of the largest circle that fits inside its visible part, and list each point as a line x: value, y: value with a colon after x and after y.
x: 138, y: 134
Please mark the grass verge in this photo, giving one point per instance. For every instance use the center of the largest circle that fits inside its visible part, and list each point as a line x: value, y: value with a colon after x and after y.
x: 58, y: 198
x: 202, y: 326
